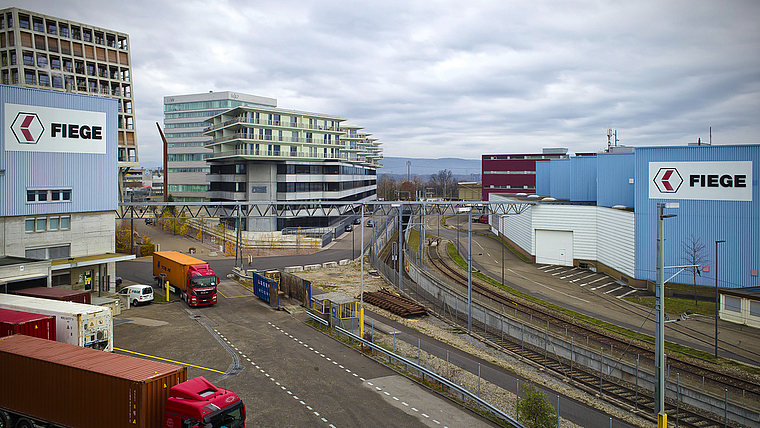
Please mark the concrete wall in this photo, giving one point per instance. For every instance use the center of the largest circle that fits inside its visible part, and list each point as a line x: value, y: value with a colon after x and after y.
x: 89, y: 234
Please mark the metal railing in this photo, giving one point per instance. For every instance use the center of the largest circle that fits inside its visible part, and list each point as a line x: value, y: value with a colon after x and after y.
x: 422, y: 369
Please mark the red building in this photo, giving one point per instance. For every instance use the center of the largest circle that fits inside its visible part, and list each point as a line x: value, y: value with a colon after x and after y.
x: 515, y: 173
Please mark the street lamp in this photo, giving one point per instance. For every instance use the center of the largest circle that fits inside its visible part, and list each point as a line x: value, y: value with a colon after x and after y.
x: 662, y: 417
x: 717, y: 298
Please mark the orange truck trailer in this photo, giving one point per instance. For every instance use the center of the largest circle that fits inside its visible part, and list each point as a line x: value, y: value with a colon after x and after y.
x: 192, y: 278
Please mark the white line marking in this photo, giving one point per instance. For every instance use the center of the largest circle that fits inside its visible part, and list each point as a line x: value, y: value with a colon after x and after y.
x: 596, y: 280
x: 603, y: 285
x: 608, y: 292
x: 620, y: 297
x: 545, y: 286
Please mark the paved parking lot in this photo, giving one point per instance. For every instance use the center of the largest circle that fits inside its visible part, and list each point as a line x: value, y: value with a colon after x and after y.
x: 287, y: 373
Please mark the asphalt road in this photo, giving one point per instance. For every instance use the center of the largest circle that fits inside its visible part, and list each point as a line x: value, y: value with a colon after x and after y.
x: 286, y: 373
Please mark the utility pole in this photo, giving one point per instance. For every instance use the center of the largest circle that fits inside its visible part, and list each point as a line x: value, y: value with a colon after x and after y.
x: 662, y: 417
x: 717, y: 297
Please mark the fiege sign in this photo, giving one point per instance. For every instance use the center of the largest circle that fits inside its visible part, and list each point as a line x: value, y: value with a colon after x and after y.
x: 723, y: 181
x: 45, y: 129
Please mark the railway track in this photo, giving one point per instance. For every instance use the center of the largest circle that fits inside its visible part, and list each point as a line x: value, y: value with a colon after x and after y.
x: 625, y: 395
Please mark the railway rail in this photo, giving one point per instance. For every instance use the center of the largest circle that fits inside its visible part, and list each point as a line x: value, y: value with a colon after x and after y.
x: 626, y: 395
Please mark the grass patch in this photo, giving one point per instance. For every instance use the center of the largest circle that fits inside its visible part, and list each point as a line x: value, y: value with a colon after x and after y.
x: 677, y: 305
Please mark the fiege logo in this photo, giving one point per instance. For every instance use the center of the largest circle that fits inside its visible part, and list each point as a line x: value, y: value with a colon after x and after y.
x: 727, y: 181
x: 54, y: 130
x: 27, y: 128
x: 668, y: 180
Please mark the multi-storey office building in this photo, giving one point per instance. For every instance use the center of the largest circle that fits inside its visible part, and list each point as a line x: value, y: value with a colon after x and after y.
x: 40, y: 51
x: 515, y: 173
x: 58, y: 189
x: 271, y: 154
x: 184, y: 123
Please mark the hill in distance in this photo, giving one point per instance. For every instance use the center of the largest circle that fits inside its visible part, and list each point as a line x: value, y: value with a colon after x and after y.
x: 462, y: 169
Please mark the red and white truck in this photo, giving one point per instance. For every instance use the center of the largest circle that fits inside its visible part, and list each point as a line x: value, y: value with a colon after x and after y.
x: 53, y: 384
x: 193, y: 279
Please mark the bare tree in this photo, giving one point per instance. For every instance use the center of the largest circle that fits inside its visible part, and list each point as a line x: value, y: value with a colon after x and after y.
x: 694, y: 253
x: 386, y: 187
x: 443, y: 180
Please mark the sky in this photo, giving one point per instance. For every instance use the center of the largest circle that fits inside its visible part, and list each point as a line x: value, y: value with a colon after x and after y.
x: 442, y: 78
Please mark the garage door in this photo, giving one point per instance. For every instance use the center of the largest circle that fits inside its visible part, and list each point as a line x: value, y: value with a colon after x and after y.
x: 554, y: 247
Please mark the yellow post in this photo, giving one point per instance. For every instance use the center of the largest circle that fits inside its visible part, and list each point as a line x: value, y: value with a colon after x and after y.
x: 662, y: 420
x: 361, y: 323
x: 167, y: 291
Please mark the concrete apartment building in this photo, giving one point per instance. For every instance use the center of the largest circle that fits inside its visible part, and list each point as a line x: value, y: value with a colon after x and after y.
x: 271, y: 154
x: 45, y: 52
x: 184, y: 123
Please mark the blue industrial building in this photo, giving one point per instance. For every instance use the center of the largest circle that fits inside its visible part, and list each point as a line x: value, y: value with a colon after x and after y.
x: 602, y: 211
x: 58, y: 188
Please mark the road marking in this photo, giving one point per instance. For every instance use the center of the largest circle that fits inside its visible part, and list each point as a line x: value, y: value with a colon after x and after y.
x: 596, y: 280
x: 546, y: 286
x: 608, y: 292
x: 234, y: 297
x: 630, y: 292
x: 602, y: 286
x: 166, y: 359
x: 578, y: 279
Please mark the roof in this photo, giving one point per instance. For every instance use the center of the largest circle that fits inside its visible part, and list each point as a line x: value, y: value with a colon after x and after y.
x: 19, y: 317
x: 749, y: 292
x: 106, y: 363
x: 180, y: 258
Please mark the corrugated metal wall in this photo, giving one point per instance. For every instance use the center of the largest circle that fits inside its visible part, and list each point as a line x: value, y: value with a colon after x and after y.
x: 560, y: 178
x: 616, y: 240
x: 516, y: 227
x: 543, y: 178
x: 583, y: 178
x: 736, y: 222
x: 614, y: 174
x: 93, y: 178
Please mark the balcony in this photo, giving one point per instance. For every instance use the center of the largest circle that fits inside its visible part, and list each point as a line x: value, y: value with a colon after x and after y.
x: 282, y: 154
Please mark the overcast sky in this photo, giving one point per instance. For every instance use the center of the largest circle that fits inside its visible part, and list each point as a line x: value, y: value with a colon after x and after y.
x: 454, y: 78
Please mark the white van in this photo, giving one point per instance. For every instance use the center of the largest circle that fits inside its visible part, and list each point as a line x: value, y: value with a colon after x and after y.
x: 138, y: 294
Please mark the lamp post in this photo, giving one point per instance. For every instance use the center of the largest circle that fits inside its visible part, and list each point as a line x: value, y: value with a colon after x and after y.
x: 660, y: 307
x: 717, y: 297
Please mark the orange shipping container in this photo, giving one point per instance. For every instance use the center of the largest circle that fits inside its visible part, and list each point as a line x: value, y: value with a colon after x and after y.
x: 81, y: 387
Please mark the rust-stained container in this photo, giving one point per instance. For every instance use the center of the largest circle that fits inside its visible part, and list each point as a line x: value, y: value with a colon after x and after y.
x: 26, y: 323
x: 68, y: 385
x: 78, y: 296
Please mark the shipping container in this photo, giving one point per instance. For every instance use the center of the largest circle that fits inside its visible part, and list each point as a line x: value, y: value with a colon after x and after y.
x: 79, y: 387
x: 76, y: 323
x: 78, y: 296
x: 26, y: 323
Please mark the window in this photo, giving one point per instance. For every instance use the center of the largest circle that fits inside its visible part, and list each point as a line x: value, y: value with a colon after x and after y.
x: 40, y: 225
x: 54, y: 195
x: 754, y: 308
x: 732, y: 303
x: 29, y: 225
x: 65, y: 223
x: 53, y: 225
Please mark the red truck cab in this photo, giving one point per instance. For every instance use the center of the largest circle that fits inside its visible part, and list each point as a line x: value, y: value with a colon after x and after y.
x: 201, y: 285
x: 197, y: 403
